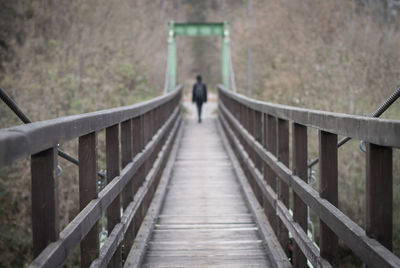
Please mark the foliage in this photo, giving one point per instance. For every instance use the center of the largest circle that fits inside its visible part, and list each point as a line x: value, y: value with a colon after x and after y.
x: 62, y: 58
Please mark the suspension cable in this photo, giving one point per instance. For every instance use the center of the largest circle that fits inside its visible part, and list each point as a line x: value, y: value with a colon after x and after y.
x: 25, y: 119
x: 384, y: 106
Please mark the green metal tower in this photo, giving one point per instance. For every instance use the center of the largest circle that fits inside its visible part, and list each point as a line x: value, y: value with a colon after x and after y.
x: 197, y: 29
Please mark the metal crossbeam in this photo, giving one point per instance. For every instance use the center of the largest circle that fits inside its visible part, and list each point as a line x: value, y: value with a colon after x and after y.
x: 197, y: 29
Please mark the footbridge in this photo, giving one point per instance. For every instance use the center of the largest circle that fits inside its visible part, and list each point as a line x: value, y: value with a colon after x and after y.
x: 231, y: 191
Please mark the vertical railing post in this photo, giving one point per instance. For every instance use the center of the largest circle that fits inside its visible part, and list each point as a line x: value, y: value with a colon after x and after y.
x: 88, y: 190
x: 137, y: 147
x: 112, y: 164
x: 328, y: 189
x: 127, y: 195
x: 269, y: 143
x: 283, y: 188
x: 299, y: 159
x: 257, y: 136
x: 379, y: 194
x: 270, y: 175
x: 45, y: 221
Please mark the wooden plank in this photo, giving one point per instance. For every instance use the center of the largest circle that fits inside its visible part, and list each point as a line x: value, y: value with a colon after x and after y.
x: 128, y: 192
x: 56, y: 253
x: 275, y: 252
x: 136, y: 254
x: 369, y: 250
x: 26, y: 140
x: 87, y: 153
x: 205, y: 246
x: 299, y: 169
x: 134, y: 208
x: 44, y: 189
x: 112, y: 163
x: 299, y: 235
x: 379, y: 194
x: 283, y: 189
x: 328, y: 189
x: 358, y: 127
x: 202, y: 216
x: 208, y: 261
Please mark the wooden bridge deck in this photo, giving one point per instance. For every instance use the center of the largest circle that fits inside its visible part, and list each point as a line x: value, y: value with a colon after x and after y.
x: 205, y: 220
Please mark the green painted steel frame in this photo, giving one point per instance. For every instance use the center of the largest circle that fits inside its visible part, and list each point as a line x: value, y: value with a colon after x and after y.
x: 197, y: 29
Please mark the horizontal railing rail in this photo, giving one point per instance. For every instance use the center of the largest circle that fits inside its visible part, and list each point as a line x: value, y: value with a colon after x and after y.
x: 138, y: 142
x: 368, y: 129
x: 17, y: 142
x: 259, y: 135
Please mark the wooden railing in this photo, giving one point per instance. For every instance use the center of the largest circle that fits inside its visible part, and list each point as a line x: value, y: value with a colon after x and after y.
x: 259, y: 134
x: 144, y: 132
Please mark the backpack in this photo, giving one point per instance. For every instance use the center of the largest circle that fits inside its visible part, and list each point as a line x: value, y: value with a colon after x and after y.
x: 199, y: 91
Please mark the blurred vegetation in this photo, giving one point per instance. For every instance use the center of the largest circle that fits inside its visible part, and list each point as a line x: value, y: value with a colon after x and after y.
x: 62, y: 58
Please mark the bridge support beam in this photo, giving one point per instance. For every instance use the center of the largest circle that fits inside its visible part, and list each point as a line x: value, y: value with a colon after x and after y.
x: 171, y: 57
x: 225, y: 55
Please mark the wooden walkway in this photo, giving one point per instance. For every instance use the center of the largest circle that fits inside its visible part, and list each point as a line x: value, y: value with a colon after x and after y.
x: 205, y: 220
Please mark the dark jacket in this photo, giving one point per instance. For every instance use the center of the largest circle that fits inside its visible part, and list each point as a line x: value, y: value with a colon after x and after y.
x: 203, y: 97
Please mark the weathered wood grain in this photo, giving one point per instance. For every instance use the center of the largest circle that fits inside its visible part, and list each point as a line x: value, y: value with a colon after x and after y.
x: 26, y: 140
x: 44, y: 188
x: 358, y: 127
x: 328, y: 189
x: 283, y: 189
x: 379, y: 194
x: 274, y: 251
x: 126, y: 157
x: 112, y: 163
x: 56, y: 253
x: 299, y: 158
x: 135, y: 207
x: 304, y: 242
x: 369, y: 250
x: 87, y: 192
x: 203, y: 214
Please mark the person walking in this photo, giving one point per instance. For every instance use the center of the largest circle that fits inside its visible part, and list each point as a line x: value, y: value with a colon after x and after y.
x: 199, y: 95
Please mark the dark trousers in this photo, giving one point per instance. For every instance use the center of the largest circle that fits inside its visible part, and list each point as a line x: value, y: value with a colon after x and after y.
x: 199, y: 104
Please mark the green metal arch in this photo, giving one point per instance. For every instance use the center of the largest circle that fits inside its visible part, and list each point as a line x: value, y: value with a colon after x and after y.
x: 197, y: 29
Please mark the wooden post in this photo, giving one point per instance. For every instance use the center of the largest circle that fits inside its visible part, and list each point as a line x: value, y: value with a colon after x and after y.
x: 112, y: 163
x: 271, y: 177
x: 88, y: 191
x: 45, y: 220
x: 258, y: 137
x: 127, y: 196
x: 328, y: 189
x: 283, y: 188
x: 379, y: 195
x: 269, y: 143
x: 137, y: 147
x: 299, y: 159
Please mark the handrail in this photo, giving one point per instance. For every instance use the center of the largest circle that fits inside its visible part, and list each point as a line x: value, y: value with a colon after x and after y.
x: 25, y: 119
x: 259, y: 133
x: 138, y: 143
x: 56, y: 253
x: 354, y: 126
x: 17, y: 142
